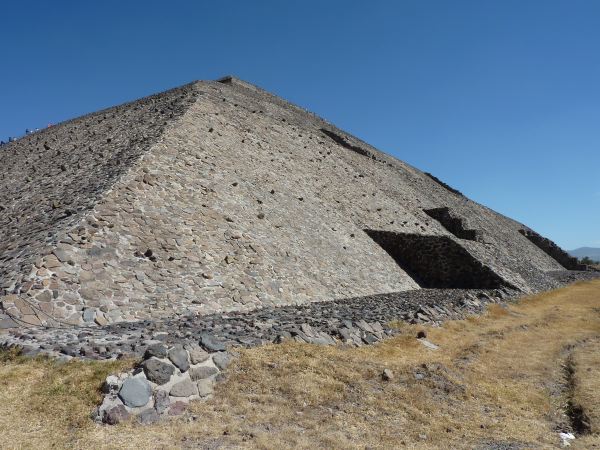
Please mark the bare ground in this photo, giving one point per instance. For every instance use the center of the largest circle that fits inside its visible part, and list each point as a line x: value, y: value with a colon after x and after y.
x: 512, y: 378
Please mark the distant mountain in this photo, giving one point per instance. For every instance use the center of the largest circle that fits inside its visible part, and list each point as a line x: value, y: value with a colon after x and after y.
x: 590, y: 252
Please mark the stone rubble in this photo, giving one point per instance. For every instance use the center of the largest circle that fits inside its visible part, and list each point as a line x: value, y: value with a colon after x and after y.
x: 172, y: 375
x: 358, y: 321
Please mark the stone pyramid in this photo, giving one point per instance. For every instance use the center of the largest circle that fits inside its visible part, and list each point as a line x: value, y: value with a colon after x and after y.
x: 218, y: 196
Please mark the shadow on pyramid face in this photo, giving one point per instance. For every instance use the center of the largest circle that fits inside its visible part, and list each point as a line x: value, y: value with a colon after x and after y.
x: 453, y: 224
x: 436, y: 261
x: 554, y: 251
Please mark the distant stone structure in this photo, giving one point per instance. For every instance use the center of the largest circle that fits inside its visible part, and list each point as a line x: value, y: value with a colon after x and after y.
x: 217, y: 197
x: 553, y: 250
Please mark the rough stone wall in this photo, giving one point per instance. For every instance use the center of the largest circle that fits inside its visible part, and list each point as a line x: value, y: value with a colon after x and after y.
x: 454, y: 225
x: 444, y: 185
x: 553, y: 250
x: 50, y: 180
x: 241, y: 201
x: 223, y: 232
x: 436, y: 261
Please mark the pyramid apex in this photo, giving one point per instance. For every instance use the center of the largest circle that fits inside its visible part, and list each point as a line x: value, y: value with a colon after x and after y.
x: 233, y: 80
x: 227, y: 79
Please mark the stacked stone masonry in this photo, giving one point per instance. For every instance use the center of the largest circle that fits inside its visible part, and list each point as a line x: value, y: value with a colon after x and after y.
x: 453, y: 224
x: 554, y: 251
x: 218, y: 197
x: 163, y: 384
x: 330, y: 321
x: 436, y: 261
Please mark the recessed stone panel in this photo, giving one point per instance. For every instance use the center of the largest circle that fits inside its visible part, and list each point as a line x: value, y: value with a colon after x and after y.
x: 453, y: 224
x: 553, y: 250
x: 436, y: 261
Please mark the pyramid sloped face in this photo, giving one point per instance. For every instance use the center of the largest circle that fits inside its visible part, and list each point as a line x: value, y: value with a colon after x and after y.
x: 239, y: 200
x: 49, y: 180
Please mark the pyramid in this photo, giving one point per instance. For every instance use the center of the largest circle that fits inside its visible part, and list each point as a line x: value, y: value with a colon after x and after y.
x: 218, y: 196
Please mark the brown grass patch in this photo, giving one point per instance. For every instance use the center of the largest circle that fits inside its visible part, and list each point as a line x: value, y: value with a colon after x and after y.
x: 496, y: 378
x: 585, y: 360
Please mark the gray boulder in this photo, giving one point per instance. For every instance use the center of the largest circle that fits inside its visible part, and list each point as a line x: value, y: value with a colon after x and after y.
x: 179, y: 356
x: 148, y: 416
x: 184, y: 388
x: 199, y: 373
x: 115, y: 415
x: 135, y: 392
x: 157, y: 371
x: 161, y: 401
x: 221, y: 360
x: 158, y: 350
x: 205, y: 387
x: 211, y: 343
x: 197, y: 354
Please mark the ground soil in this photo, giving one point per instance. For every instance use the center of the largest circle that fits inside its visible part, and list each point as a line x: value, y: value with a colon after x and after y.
x: 512, y: 378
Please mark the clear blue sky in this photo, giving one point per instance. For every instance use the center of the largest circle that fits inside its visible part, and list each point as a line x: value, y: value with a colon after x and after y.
x: 500, y: 99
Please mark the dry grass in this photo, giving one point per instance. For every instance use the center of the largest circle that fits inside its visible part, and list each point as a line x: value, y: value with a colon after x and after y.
x: 586, y: 392
x: 495, y: 378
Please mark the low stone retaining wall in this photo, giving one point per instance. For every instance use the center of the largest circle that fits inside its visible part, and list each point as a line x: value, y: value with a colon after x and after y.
x: 361, y: 320
x: 162, y: 384
x: 170, y: 376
